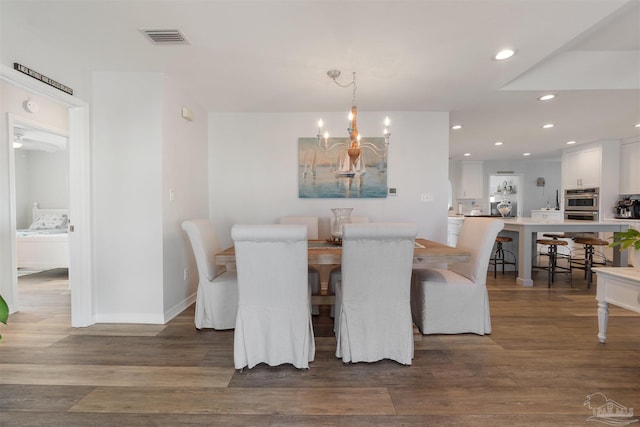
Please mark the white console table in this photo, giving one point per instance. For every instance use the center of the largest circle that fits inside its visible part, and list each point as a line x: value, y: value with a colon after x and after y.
x: 619, y: 286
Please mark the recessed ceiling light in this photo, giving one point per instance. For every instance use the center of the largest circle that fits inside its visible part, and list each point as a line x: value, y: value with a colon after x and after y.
x: 456, y: 127
x: 526, y: 154
x: 504, y: 54
x: 638, y: 125
x: 467, y: 154
x: 546, y: 97
x: 17, y: 144
x: 497, y: 143
x: 548, y: 126
x: 570, y: 142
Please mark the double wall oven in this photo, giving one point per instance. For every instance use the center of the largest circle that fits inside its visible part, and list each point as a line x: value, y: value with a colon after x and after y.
x: 582, y: 204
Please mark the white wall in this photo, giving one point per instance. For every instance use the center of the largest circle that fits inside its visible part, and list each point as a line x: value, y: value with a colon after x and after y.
x: 253, y: 169
x: 127, y: 190
x: 185, y: 172
x: 143, y: 149
x: 533, y: 197
x: 41, y: 177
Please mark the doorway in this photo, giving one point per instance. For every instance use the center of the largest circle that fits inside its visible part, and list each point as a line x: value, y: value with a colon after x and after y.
x: 41, y: 167
x: 80, y: 275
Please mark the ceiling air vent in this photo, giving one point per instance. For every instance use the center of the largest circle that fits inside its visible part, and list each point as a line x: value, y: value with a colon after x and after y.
x: 165, y: 36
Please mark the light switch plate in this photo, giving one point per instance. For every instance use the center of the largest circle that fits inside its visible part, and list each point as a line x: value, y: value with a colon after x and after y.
x: 426, y: 197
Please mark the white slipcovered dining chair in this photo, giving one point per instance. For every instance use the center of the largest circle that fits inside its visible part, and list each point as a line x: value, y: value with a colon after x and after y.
x: 217, y: 294
x: 335, y: 275
x: 311, y: 222
x: 373, y: 312
x: 456, y: 301
x: 273, y: 324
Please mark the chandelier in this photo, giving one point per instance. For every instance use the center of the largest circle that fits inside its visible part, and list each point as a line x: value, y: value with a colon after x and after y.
x: 355, y: 145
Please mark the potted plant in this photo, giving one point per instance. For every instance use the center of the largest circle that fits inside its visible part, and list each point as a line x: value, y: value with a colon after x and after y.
x: 4, y: 312
x: 629, y: 239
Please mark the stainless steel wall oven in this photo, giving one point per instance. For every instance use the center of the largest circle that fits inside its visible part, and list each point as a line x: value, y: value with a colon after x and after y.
x: 582, y: 204
x: 582, y: 215
x: 582, y: 199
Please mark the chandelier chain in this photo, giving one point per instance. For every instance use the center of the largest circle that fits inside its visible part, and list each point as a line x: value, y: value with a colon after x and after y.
x: 352, y: 83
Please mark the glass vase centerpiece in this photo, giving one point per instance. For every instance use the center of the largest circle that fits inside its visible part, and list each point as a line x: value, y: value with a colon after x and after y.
x: 504, y: 207
x: 341, y: 216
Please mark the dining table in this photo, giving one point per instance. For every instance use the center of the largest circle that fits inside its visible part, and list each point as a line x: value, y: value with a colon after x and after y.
x: 321, y: 253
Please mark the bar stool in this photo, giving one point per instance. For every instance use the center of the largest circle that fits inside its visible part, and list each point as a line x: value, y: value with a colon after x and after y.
x: 552, y: 253
x: 587, y: 262
x: 561, y: 236
x: 499, y: 256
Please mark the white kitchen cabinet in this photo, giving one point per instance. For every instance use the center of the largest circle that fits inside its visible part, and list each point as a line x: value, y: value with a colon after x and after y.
x: 546, y: 214
x: 471, y: 182
x: 630, y: 168
x: 453, y: 230
x: 582, y: 168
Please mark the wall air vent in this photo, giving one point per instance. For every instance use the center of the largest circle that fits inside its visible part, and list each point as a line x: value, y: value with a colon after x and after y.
x: 165, y: 36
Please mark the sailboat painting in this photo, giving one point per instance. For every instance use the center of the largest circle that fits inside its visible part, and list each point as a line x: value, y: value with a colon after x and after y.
x: 332, y: 173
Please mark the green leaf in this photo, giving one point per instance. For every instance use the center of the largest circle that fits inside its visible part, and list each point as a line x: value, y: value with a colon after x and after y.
x: 4, y: 312
x: 625, y: 239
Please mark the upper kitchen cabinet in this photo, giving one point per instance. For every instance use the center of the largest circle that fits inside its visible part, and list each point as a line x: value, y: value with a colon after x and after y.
x: 582, y: 168
x: 471, y: 181
x: 594, y: 165
x: 630, y: 168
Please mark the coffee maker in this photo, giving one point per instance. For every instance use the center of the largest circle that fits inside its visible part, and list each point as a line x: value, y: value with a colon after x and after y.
x: 628, y: 208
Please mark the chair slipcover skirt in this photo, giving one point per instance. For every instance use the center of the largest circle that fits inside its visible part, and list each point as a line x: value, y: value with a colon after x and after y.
x: 456, y: 300
x: 373, y: 312
x: 273, y: 324
x: 444, y: 302
x: 217, y: 294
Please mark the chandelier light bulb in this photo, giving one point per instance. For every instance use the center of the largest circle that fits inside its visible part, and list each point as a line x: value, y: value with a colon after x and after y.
x: 387, y: 122
x: 350, y: 116
x: 326, y: 135
x: 320, y: 124
x: 386, y: 131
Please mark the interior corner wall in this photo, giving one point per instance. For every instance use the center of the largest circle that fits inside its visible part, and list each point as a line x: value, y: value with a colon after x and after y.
x: 127, y: 114
x: 185, y: 178
x: 253, y: 169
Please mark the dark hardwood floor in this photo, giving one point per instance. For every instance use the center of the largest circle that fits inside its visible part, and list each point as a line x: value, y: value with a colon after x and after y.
x: 536, y: 368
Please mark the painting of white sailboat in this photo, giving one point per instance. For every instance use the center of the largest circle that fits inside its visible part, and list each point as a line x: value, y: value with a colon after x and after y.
x: 334, y: 173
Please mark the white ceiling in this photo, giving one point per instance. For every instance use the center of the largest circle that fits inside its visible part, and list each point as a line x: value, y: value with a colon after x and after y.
x: 272, y: 56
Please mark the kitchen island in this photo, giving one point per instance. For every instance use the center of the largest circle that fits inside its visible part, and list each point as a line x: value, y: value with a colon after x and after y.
x: 528, y: 227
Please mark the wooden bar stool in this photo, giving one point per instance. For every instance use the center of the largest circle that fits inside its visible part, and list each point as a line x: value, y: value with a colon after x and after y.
x: 499, y: 256
x: 587, y: 262
x: 552, y: 252
x: 561, y: 236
